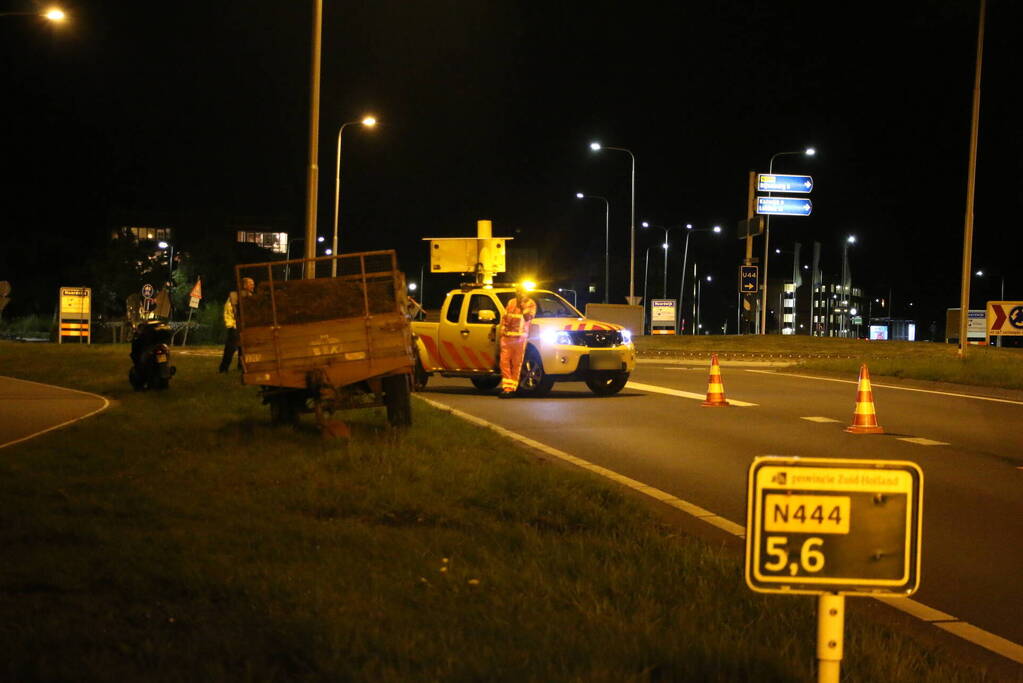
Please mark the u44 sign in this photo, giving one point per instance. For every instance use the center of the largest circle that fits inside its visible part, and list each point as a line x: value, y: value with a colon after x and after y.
x: 773, y: 182
x: 821, y: 525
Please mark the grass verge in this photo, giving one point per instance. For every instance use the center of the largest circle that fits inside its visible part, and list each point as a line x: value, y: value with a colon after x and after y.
x: 178, y: 537
x: 984, y: 366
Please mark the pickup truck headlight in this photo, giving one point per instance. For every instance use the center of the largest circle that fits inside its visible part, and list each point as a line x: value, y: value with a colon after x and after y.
x: 626, y: 336
x: 555, y: 338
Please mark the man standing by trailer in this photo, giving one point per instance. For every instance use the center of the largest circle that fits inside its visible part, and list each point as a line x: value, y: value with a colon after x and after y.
x: 514, y: 335
x: 230, y: 322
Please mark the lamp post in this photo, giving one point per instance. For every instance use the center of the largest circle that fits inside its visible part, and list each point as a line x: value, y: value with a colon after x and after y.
x: 574, y: 300
x: 313, y: 169
x: 809, y: 151
x: 596, y: 147
x: 170, y: 256
x: 846, y: 285
x: 646, y: 269
x: 664, y: 286
x: 685, y: 256
x: 980, y: 273
x: 699, y: 296
x: 368, y: 122
x: 607, y: 240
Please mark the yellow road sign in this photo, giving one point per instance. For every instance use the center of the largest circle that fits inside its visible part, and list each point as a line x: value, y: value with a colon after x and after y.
x: 821, y: 525
x: 1004, y: 318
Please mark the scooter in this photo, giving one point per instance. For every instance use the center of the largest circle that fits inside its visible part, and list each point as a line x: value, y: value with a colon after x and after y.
x: 150, y: 354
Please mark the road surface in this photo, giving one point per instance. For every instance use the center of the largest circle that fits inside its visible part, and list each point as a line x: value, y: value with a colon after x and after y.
x: 28, y: 409
x: 970, y: 449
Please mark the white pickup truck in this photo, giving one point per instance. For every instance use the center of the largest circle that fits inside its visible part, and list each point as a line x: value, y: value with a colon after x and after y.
x: 563, y: 345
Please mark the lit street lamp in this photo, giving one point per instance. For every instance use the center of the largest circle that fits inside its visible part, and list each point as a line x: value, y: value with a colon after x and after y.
x: 809, y: 151
x: 369, y: 122
x: 596, y: 147
x: 560, y: 289
x: 664, y: 287
x: 54, y: 14
x: 607, y: 240
x: 846, y: 284
x: 170, y: 256
x: 685, y: 257
x: 699, y: 296
x: 980, y: 273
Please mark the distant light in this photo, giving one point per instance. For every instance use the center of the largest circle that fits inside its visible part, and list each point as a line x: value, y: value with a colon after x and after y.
x: 980, y: 273
x: 595, y: 146
x: 805, y: 267
x: 320, y: 238
x: 55, y: 14
x: 579, y: 195
x: 665, y: 245
x: 412, y: 286
x: 369, y: 121
x: 852, y: 311
x: 777, y: 251
x: 810, y: 151
x: 162, y: 245
x: 717, y: 228
x: 708, y: 278
x: 689, y: 226
x: 328, y: 251
x: 645, y: 224
x: 852, y: 239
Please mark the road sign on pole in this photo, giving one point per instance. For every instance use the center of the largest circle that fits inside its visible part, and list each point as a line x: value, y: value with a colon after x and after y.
x: 784, y: 206
x: 1005, y: 318
x: 768, y: 182
x: 823, y: 525
x: 749, y: 279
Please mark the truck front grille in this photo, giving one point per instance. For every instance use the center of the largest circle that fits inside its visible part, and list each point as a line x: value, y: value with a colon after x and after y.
x: 596, y: 339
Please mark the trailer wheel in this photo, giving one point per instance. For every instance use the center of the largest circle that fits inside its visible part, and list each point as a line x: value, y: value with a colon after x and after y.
x: 420, y: 377
x: 398, y: 399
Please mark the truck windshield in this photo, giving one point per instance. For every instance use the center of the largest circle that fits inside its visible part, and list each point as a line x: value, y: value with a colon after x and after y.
x: 548, y: 304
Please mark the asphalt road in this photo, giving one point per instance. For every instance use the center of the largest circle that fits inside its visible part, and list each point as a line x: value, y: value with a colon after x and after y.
x: 28, y: 409
x: 971, y: 452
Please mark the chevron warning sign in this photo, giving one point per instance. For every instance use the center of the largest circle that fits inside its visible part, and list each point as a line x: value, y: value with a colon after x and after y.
x: 1005, y: 318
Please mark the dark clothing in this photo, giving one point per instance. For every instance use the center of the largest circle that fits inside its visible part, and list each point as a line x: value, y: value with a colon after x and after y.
x: 231, y: 344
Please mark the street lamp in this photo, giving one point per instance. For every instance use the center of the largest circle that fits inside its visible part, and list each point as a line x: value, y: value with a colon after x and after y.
x: 846, y: 284
x: 368, y: 122
x: 607, y: 240
x: 685, y: 257
x: 574, y: 302
x: 809, y: 151
x: 646, y: 269
x: 980, y: 273
x: 596, y: 147
x: 170, y: 256
x: 699, y: 297
x: 412, y: 286
x: 664, y: 288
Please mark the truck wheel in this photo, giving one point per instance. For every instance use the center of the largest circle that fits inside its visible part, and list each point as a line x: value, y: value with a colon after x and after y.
x: 607, y: 383
x: 284, y: 408
x: 485, y: 383
x: 533, y: 381
x: 398, y: 399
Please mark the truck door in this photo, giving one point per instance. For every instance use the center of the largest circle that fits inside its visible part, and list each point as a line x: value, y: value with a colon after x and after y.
x: 448, y: 330
x: 480, y: 330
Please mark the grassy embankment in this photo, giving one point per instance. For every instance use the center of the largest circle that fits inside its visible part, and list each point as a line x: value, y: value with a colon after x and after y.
x: 177, y: 536
x: 984, y: 366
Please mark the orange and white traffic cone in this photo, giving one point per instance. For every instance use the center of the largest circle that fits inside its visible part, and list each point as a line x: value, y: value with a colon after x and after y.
x: 864, y: 417
x: 715, y: 389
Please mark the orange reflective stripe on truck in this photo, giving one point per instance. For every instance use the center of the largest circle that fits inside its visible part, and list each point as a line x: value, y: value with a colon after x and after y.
x: 433, y: 352
x: 453, y: 354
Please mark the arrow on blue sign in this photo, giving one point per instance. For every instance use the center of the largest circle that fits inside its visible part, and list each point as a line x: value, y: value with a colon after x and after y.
x: 767, y: 182
x: 783, y: 206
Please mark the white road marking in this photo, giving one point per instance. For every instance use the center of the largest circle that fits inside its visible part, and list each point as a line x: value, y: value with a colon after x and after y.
x: 106, y: 404
x: 819, y: 419
x: 653, y: 388
x: 889, y: 386
x: 920, y: 441
x: 947, y: 622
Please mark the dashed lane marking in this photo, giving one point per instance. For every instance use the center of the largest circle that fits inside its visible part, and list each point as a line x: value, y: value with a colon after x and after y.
x: 819, y: 419
x: 947, y: 622
x: 889, y: 386
x: 920, y: 441
x: 653, y: 388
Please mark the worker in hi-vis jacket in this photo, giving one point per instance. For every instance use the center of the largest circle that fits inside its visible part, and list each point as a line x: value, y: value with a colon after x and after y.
x: 514, y: 335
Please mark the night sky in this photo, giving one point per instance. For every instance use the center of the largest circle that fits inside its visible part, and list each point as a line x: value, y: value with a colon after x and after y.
x: 195, y: 116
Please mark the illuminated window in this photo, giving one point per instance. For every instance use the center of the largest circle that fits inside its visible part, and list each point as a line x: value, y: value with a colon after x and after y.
x: 277, y: 242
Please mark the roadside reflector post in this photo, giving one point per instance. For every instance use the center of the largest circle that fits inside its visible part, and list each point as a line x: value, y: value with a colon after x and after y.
x: 830, y: 633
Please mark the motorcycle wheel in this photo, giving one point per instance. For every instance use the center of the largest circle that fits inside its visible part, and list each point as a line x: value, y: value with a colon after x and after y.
x: 136, y: 383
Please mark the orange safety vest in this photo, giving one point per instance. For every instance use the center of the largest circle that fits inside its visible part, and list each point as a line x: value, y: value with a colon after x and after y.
x: 516, y: 318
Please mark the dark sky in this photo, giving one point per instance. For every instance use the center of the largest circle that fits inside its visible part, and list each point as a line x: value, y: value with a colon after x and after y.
x: 195, y: 115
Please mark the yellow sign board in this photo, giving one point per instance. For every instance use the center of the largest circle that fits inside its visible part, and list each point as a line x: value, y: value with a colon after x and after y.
x: 1004, y: 318
x: 821, y: 525
x: 75, y: 313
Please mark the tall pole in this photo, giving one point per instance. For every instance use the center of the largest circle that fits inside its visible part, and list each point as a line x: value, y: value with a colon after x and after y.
x: 767, y: 239
x: 682, y: 285
x: 632, y: 234
x: 337, y: 199
x: 646, y: 270
x: 313, y: 174
x: 694, y: 298
x: 971, y: 182
x: 607, y: 250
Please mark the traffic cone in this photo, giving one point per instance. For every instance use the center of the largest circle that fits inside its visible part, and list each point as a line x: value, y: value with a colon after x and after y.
x: 864, y: 417
x: 715, y: 389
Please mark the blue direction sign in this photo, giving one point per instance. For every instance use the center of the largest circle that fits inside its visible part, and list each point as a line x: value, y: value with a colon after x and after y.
x: 783, y: 206
x: 767, y: 182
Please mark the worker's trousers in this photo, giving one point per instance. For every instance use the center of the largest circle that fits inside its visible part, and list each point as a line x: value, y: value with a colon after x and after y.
x: 513, y: 349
